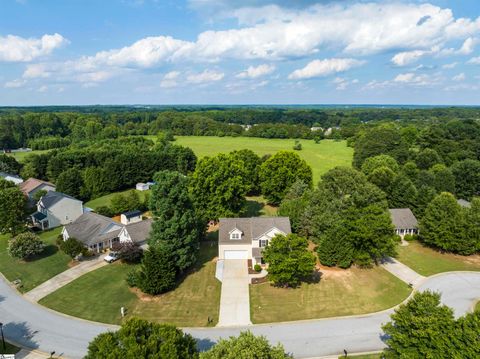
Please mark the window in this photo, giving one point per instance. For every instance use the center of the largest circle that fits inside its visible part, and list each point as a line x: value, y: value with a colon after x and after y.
x: 263, y: 243
x: 235, y: 236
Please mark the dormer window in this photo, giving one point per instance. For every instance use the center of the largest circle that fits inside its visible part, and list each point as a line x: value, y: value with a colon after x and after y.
x: 236, y: 234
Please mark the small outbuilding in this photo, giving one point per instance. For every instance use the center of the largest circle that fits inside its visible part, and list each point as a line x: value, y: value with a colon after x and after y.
x: 142, y: 186
x: 11, y: 177
x: 131, y: 217
x: 404, y: 221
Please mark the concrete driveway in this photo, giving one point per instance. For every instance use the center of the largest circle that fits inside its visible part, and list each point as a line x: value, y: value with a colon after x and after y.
x: 403, y: 272
x: 235, y: 298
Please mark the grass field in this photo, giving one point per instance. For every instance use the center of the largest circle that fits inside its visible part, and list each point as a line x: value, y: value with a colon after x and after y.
x: 20, y: 156
x: 107, y: 199
x: 338, y: 293
x: 257, y: 206
x: 98, y: 296
x: 428, y: 261
x: 36, y: 271
x: 321, y: 157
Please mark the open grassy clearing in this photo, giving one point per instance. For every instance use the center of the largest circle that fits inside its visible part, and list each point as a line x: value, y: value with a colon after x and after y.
x: 321, y: 157
x: 257, y: 206
x: 195, y: 299
x: 20, y: 156
x: 427, y: 261
x: 107, y: 199
x: 338, y: 293
x: 36, y: 271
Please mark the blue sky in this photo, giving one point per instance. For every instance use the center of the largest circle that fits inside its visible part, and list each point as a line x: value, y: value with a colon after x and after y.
x: 239, y: 52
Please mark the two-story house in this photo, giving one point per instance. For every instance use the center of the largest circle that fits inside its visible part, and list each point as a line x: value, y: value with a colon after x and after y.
x: 245, y: 238
x: 55, y: 209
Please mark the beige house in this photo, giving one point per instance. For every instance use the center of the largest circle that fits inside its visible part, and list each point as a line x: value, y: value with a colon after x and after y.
x: 55, y: 209
x: 245, y: 238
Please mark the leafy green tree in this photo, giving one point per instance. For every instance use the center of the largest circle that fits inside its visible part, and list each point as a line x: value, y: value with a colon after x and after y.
x: 176, y: 227
x: 12, y: 208
x: 157, y: 273
x: 124, y: 202
x: 427, y: 158
x: 9, y: 164
x: 426, y: 194
x: 280, y: 172
x: 96, y: 182
x: 70, y: 182
x: 472, y: 223
x: 138, y: 338
x: 72, y: 247
x: 444, y: 181
x: 403, y: 193
x: 467, y: 329
x: 421, y: 328
x: 246, y: 345
x: 39, y: 194
x: 410, y: 170
x: 251, y: 164
x: 25, y: 246
x: 219, y: 186
x: 294, y: 204
x: 382, y: 177
x: 467, y: 178
x: 289, y: 260
x: 443, y: 226
x: 375, y: 162
x: 128, y: 252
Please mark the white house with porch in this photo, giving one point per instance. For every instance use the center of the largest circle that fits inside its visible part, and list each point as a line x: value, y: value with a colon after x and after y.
x: 404, y: 221
x: 55, y: 209
x: 245, y: 238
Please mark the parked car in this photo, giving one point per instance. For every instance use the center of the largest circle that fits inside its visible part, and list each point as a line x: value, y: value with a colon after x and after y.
x: 111, y: 257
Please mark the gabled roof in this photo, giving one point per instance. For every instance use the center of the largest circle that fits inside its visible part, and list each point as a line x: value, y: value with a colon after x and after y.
x: 39, y: 216
x: 251, y: 228
x: 91, y: 228
x: 52, y: 197
x: 30, y: 184
x: 131, y: 214
x: 403, y: 218
x: 139, y: 231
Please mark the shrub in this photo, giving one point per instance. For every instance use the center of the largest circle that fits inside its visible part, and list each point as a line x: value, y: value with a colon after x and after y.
x: 128, y: 252
x: 157, y: 273
x: 105, y: 211
x: 72, y: 247
x: 25, y: 245
x: 410, y: 237
x: 132, y: 278
x: 257, y: 267
x: 297, y: 146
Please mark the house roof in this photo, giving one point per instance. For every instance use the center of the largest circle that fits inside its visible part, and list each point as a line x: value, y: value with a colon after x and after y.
x: 11, y: 176
x: 52, y: 197
x: 91, y: 228
x: 30, y: 184
x: 464, y: 203
x: 139, y: 231
x: 39, y: 216
x: 131, y: 214
x: 403, y: 218
x: 252, y: 228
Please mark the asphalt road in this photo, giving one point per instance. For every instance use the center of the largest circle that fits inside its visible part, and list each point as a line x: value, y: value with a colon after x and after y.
x: 38, y: 328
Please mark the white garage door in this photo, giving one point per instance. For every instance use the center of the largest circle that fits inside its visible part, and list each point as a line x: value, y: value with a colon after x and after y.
x: 235, y: 255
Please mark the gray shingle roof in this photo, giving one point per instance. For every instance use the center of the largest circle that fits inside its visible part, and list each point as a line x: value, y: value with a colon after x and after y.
x: 91, y: 228
x: 131, y: 214
x: 139, y: 231
x: 403, y: 218
x: 251, y: 228
x: 52, y: 197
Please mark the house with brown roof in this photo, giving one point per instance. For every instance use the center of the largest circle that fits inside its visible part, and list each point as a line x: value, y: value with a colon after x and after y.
x: 245, y: 238
x: 404, y: 221
x: 33, y: 185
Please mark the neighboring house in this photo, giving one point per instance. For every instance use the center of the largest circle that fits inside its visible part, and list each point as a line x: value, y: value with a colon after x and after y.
x: 12, y: 178
x: 464, y: 203
x: 144, y: 186
x: 131, y: 217
x: 95, y: 231
x: 245, y: 238
x: 33, y: 185
x: 55, y: 209
x: 137, y: 232
x: 404, y: 221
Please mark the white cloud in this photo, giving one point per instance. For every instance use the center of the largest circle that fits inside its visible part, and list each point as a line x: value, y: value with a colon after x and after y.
x: 408, y: 57
x: 205, y: 77
x: 321, y: 68
x: 459, y: 77
x: 43, y: 88
x: 253, y: 72
x: 170, y: 79
x: 18, y: 49
x: 474, y: 61
x: 15, y: 83
x: 468, y: 46
x: 450, y: 66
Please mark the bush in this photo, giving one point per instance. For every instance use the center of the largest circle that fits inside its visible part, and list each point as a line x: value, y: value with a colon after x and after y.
x: 132, y: 278
x: 157, y: 274
x: 25, y: 245
x: 257, y: 267
x: 128, y: 252
x: 72, y: 247
x: 105, y: 211
x: 410, y: 237
x: 297, y: 146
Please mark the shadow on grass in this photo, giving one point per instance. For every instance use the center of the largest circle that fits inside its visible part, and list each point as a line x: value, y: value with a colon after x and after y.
x: 252, y: 209
x: 48, y: 251
x: 208, y: 251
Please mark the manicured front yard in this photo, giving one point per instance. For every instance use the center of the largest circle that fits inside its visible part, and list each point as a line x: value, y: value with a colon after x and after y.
x: 427, y: 261
x: 36, y: 271
x: 338, y: 293
x: 98, y: 296
x: 107, y: 199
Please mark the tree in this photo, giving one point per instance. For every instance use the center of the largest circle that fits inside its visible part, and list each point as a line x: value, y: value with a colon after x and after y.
x: 70, y: 182
x: 246, y: 345
x: 472, y: 224
x: 124, y: 202
x: 12, y: 208
x: 467, y: 178
x: 9, y: 164
x: 468, y: 343
x: 279, y: 172
x: 294, y: 204
x: 128, y: 252
x: 251, y: 164
x: 25, y: 246
x: 444, y: 181
x: 219, y: 186
x: 39, y: 194
x: 289, y: 260
x: 375, y: 162
x: 403, y: 193
x: 382, y: 177
x: 157, y: 272
x: 427, y: 158
x: 176, y: 227
x: 421, y: 328
x: 443, y: 226
x: 138, y: 338
x: 72, y: 247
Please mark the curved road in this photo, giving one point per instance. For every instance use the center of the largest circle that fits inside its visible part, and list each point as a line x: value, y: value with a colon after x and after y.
x: 36, y: 327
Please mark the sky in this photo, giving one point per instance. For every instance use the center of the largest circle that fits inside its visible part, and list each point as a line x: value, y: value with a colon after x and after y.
x: 72, y: 52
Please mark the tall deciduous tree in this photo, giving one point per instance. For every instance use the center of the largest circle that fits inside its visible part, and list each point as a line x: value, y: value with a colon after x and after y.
x: 70, y: 182
x: 372, y: 163
x: 403, y: 193
x: 467, y: 178
x: 251, y: 164
x: 218, y: 186
x: 157, y: 273
x: 25, y: 246
x: 12, y: 208
x: 427, y: 158
x: 280, y: 172
x: 176, y: 226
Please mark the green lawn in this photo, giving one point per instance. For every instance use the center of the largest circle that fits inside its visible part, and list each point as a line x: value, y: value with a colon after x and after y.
x: 98, y: 296
x: 9, y: 348
x: 321, y: 157
x: 257, y: 206
x: 427, y: 261
x: 107, y: 199
x: 36, y: 271
x: 20, y: 156
x: 338, y: 293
